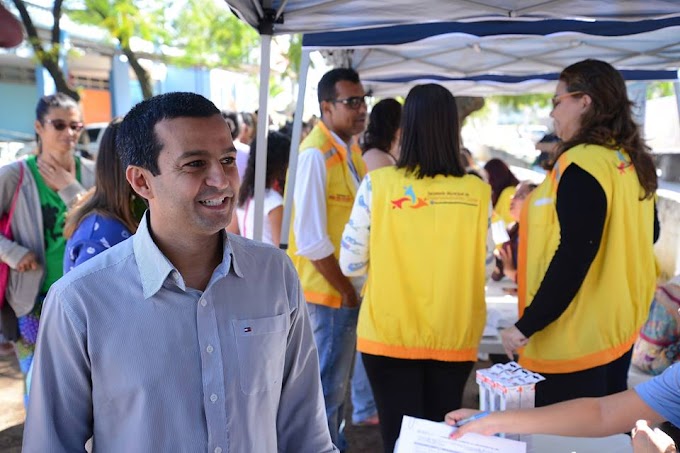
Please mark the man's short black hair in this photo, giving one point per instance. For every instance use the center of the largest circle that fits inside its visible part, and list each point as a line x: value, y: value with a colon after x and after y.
x: 137, y: 142
x: 326, y: 89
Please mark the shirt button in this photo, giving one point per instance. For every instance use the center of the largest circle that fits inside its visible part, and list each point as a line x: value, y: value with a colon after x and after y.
x: 203, y: 303
x: 210, y: 349
x: 218, y: 450
x: 213, y: 397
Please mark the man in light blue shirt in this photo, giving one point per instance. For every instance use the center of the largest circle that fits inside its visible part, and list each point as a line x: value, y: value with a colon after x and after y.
x: 183, y: 338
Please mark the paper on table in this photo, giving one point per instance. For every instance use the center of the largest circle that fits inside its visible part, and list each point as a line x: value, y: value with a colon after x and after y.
x: 425, y: 436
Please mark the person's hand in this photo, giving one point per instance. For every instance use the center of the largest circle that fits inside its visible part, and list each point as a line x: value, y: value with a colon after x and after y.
x: 350, y: 299
x: 28, y: 263
x: 479, y: 426
x: 55, y: 176
x: 512, y: 339
x: 646, y: 440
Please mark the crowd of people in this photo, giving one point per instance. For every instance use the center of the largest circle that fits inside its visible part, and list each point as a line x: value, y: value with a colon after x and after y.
x: 160, y: 326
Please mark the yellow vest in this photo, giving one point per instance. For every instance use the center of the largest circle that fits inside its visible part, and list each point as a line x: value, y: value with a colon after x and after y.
x: 502, y: 208
x: 340, y: 192
x: 603, y: 320
x: 424, y: 297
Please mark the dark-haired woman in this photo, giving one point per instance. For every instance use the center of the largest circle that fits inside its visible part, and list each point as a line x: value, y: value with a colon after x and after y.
x: 380, y: 145
x: 503, y: 184
x: 104, y: 216
x: 278, y: 150
x: 51, y: 180
x: 423, y: 310
x: 589, y: 275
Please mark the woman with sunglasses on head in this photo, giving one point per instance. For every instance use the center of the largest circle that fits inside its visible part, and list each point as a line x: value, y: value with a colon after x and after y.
x: 587, y: 236
x: 51, y: 180
x: 105, y: 215
x: 422, y: 228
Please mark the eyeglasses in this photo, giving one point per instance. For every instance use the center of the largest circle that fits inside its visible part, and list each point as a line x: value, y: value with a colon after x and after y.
x: 353, y: 102
x: 60, y: 125
x: 558, y: 97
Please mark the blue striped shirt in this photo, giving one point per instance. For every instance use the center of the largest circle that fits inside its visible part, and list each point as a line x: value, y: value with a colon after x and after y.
x: 130, y: 356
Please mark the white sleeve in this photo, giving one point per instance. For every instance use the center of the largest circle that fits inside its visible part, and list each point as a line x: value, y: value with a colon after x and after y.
x: 310, y: 224
x: 272, y: 200
x: 354, y: 247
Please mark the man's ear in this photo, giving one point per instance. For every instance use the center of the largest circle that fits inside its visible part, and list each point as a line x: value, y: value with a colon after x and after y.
x: 325, y: 108
x: 139, y: 179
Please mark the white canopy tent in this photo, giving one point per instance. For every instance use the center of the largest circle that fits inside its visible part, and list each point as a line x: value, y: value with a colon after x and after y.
x: 458, y: 50
x: 272, y: 17
x: 488, y: 84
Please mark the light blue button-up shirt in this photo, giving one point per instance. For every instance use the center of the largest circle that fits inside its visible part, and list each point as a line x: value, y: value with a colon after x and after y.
x: 130, y: 356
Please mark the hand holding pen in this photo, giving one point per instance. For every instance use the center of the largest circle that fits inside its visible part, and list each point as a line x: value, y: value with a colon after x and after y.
x: 469, y: 421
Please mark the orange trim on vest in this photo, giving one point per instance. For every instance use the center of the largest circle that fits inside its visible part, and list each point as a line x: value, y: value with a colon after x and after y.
x: 328, y: 300
x: 582, y: 363
x: 405, y: 352
x: 522, y: 257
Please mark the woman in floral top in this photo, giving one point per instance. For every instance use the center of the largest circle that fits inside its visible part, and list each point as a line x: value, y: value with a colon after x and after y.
x: 104, y: 216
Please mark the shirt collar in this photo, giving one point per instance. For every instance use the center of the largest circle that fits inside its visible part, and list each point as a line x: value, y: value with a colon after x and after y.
x: 335, y: 136
x: 154, y: 267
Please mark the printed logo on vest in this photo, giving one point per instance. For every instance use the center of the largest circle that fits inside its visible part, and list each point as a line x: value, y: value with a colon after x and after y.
x: 624, y: 164
x: 341, y: 197
x: 410, y: 195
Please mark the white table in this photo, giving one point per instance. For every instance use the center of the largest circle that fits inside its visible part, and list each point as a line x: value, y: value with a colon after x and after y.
x: 502, y: 304
x: 541, y: 443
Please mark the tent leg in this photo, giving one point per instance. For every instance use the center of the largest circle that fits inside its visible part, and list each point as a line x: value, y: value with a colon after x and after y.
x: 294, y: 145
x: 262, y: 132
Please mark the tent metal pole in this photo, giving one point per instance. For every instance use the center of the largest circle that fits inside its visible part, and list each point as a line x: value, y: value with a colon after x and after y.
x: 262, y: 132
x: 294, y: 146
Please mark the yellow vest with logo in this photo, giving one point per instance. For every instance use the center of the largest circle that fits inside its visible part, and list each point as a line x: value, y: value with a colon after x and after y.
x: 340, y: 192
x: 424, y: 297
x: 603, y: 320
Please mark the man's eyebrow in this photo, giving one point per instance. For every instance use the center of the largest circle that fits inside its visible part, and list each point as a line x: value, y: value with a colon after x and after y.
x: 201, y: 153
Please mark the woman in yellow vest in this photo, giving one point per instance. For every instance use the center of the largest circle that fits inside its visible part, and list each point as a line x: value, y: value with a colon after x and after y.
x: 422, y: 228
x: 586, y: 243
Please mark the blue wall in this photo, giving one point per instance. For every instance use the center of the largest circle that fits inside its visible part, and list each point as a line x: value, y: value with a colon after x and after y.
x: 18, y: 107
x: 195, y: 80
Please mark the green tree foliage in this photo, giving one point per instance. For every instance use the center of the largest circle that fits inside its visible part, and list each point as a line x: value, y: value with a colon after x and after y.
x: 125, y: 19
x: 518, y: 103
x: 48, y: 57
x: 294, y: 56
x: 212, y: 37
x: 659, y: 90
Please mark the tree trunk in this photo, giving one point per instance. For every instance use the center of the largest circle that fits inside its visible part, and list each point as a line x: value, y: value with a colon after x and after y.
x: 140, y: 72
x: 467, y: 105
x: 48, y: 59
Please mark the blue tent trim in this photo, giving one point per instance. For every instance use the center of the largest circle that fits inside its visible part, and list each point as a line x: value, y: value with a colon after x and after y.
x: 401, y: 34
x: 627, y: 75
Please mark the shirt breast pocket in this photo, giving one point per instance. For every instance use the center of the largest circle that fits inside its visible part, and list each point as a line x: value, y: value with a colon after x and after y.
x: 261, y: 349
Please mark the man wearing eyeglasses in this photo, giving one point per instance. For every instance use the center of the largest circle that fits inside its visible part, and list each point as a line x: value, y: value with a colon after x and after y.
x: 329, y: 171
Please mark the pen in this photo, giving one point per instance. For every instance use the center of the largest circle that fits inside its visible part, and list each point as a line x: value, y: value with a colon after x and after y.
x: 471, y: 419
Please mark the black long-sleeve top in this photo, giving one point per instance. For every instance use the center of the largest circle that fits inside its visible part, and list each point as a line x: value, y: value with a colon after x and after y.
x: 581, y: 210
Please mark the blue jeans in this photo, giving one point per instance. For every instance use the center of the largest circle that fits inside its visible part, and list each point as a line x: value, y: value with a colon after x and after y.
x: 335, y: 333
x: 363, y: 404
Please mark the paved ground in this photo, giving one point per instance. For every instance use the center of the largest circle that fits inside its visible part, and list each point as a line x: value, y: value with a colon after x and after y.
x: 11, y: 406
x: 361, y: 439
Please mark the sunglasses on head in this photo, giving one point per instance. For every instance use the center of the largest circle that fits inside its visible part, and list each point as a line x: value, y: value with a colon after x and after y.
x: 354, y: 102
x: 60, y: 125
